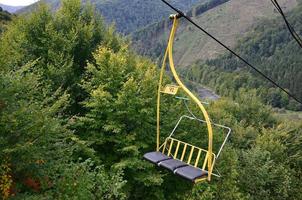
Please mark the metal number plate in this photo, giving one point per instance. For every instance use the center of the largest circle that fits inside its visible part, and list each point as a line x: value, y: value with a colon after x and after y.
x: 170, y: 89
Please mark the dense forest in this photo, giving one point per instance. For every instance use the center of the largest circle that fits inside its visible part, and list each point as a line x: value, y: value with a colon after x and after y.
x: 5, y: 17
x: 127, y: 15
x: 77, y: 113
x: 272, y: 49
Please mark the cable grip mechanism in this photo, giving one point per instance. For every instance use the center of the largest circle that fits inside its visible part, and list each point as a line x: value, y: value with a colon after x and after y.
x: 177, y: 16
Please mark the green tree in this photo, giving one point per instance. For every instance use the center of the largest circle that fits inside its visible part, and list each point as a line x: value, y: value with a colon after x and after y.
x: 39, y: 151
x: 119, y: 123
x: 62, y: 41
x: 42, y: 58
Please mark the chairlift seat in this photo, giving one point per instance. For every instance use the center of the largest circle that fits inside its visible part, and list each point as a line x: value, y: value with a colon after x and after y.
x: 156, y: 157
x: 172, y: 164
x: 191, y: 173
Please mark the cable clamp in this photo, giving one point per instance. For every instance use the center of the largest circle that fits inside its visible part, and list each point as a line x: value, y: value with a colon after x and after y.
x: 177, y: 16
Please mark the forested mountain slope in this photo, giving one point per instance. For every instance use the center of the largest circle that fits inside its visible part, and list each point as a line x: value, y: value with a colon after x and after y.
x: 228, y: 22
x: 129, y: 15
x: 271, y: 48
x: 11, y: 9
x: 5, y: 17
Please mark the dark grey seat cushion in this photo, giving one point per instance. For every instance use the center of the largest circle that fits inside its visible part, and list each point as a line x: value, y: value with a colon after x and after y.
x: 156, y: 157
x: 172, y: 164
x: 191, y: 173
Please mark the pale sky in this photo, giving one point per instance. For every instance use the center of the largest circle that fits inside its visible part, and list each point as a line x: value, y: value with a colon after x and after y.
x: 17, y: 2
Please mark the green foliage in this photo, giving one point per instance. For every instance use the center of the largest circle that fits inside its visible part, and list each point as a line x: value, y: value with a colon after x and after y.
x: 63, y: 42
x: 81, y: 180
x: 270, y: 180
x: 5, y: 17
x: 120, y: 110
x: 26, y: 125
x: 35, y: 144
x: 39, y: 147
x: 85, y: 181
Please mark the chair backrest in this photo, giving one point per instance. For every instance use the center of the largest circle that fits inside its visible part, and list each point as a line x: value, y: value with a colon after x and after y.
x: 186, y: 152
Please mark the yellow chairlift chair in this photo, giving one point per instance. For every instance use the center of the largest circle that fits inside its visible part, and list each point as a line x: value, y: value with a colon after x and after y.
x: 183, y: 159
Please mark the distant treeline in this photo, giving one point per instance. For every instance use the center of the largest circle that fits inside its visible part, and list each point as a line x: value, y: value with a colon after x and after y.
x: 154, y: 48
x: 4, y: 18
x: 200, y: 9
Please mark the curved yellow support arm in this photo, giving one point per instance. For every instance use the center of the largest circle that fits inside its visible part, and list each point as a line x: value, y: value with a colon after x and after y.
x: 169, y: 54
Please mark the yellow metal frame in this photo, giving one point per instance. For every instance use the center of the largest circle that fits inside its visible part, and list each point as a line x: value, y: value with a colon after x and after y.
x: 210, y: 157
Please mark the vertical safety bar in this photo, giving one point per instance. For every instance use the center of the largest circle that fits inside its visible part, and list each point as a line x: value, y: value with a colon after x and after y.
x: 183, y: 152
x: 170, y: 148
x: 165, y: 144
x: 191, y: 153
x: 176, y: 151
x: 198, y: 157
x: 205, y: 162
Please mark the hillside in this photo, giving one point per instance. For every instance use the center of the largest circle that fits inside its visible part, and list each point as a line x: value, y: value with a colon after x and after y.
x: 128, y: 15
x: 272, y: 49
x: 11, y: 9
x: 228, y: 22
x: 5, y: 17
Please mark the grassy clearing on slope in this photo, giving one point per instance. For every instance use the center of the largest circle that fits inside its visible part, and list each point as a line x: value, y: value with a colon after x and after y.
x: 286, y: 115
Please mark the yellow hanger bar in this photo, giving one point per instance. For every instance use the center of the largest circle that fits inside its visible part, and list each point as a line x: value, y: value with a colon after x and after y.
x: 169, y: 54
x: 158, y: 98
